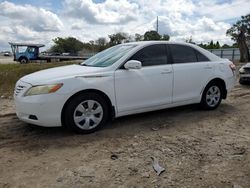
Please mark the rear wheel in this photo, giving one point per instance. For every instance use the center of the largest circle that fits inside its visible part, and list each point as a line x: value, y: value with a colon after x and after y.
x: 86, y: 113
x: 23, y: 60
x: 212, y: 96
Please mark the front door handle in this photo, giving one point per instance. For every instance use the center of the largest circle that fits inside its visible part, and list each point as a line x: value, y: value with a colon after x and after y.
x: 167, y: 71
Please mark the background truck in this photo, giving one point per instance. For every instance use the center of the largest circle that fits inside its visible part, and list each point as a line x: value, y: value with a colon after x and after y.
x: 24, y: 53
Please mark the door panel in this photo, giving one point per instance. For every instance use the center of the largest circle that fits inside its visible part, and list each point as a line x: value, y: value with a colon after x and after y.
x: 191, y: 69
x: 146, y: 87
x: 190, y: 79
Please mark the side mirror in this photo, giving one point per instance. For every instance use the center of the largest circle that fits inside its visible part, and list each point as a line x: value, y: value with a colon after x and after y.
x: 132, y: 64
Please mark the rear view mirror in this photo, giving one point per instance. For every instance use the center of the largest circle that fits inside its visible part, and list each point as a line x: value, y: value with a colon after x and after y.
x: 132, y: 64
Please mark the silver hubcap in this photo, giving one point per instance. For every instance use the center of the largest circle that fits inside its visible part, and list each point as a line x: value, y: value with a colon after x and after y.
x: 213, y: 96
x: 88, y: 114
x: 23, y: 61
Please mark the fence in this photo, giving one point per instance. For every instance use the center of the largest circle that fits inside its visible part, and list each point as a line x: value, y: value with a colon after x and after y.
x: 228, y: 53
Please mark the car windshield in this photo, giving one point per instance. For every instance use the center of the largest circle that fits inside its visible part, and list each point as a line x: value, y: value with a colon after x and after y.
x: 109, y: 56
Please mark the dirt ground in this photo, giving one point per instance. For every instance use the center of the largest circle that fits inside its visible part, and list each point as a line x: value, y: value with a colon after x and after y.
x: 197, y: 148
x: 6, y: 60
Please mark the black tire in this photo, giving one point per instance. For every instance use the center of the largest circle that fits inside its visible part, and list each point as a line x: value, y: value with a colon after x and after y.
x: 71, y: 112
x: 206, y: 103
x: 23, y: 60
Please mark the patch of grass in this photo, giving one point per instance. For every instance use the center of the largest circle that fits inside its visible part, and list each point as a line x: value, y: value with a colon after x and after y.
x: 11, y: 73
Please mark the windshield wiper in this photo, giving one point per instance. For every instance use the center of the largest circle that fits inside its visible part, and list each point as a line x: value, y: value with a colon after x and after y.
x: 85, y: 65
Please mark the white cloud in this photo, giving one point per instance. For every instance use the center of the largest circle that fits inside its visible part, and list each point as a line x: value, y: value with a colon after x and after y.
x: 77, y: 25
x: 37, y: 19
x: 19, y: 33
x: 200, y: 29
x: 108, y: 12
x: 87, y: 20
x: 176, y: 18
x: 179, y: 19
x: 223, y: 11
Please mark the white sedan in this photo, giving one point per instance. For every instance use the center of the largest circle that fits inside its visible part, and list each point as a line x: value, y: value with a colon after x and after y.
x: 125, y: 79
x: 245, y: 74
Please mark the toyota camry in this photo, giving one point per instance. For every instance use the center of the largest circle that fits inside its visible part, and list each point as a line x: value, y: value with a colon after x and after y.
x: 125, y: 79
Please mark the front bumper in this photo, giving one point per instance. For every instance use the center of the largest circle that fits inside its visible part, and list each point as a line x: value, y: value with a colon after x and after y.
x: 245, y: 77
x: 43, y: 110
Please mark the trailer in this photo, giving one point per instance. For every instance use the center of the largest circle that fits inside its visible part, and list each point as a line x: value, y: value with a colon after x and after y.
x: 27, y: 52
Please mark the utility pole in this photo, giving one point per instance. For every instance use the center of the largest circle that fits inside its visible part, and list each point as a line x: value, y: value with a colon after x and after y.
x: 157, y: 25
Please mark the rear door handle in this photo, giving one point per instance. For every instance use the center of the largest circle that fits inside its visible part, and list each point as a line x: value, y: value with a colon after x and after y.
x: 208, y: 67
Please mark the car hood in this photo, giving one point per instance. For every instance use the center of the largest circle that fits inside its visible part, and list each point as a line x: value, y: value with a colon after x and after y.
x: 54, y: 74
x: 247, y: 65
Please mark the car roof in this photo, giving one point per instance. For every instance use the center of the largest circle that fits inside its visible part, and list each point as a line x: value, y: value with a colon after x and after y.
x: 208, y: 54
x: 156, y: 42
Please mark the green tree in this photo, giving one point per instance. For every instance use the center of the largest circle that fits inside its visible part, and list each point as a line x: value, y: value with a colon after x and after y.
x: 101, y: 43
x: 226, y: 46
x: 69, y: 44
x: 190, y: 40
x: 129, y: 38
x: 152, y: 35
x: 117, y: 38
x: 240, y: 33
x: 165, y: 37
x: 217, y: 45
x: 211, y: 45
x: 202, y: 45
x: 91, y: 42
x: 138, y: 37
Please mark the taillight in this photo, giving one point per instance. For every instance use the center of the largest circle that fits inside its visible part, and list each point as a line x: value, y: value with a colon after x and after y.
x: 232, y: 67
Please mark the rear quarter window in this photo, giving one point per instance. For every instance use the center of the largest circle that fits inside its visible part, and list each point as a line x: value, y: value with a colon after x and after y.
x: 201, y: 57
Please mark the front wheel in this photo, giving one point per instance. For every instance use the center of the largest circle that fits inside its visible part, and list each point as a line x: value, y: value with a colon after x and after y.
x: 86, y: 113
x: 212, y: 96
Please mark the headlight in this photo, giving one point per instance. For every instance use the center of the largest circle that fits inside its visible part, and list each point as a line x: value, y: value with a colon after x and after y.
x: 242, y: 70
x: 43, y: 89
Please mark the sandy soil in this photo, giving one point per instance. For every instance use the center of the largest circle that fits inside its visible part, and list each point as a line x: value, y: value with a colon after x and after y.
x: 197, y: 148
x: 7, y: 107
x: 6, y: 60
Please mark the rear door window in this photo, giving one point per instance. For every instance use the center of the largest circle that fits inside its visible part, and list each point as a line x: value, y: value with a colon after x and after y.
x: 182, y: 54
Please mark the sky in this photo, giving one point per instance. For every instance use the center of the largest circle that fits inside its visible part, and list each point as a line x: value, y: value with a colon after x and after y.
x: 40, y: 21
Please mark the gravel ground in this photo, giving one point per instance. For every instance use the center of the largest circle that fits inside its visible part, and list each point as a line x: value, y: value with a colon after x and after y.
x: 197, y: 148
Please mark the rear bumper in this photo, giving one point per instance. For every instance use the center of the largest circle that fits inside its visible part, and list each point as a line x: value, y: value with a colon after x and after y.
x: 231, y: 82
